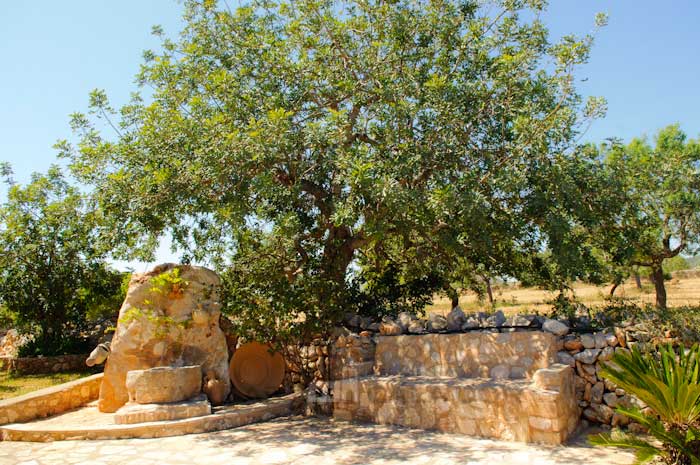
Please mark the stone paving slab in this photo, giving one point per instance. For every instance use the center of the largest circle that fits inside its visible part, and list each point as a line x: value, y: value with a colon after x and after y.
x: 303, y: 441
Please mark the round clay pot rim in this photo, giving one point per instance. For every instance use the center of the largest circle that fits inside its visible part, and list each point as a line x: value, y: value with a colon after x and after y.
x: 274, y: 366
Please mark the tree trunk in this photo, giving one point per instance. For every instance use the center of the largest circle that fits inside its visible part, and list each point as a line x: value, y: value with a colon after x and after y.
x: 338, y: 253
x: 637, y: 280
x: 452, y: 294
x: 657, y: 276
x: 614, y: 287
x: 489, y: 291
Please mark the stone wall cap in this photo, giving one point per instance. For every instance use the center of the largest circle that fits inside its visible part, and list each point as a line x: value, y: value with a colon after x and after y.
x: 49, y: 390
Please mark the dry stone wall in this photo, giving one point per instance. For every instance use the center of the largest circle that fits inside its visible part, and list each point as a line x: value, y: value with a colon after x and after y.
x: 44, y: 365
x: 353, y: 354
x: 50, y: 401
x: 497, y: 385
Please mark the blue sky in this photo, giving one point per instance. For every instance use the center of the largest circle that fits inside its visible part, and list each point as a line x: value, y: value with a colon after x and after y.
x: 645, y: 63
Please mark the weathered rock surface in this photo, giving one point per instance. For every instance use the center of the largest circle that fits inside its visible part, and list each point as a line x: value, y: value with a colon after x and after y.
x: 600, y: 340
x: 436, y: 323
x: 389, y: 327
x: 169, y: 318
x: 472, y: 322
x: 466, y: 383
x: 164, y: 384
x: 588, y: 341
x: 464, y: 355
x: 416, y: 327
x: 588, y: 356
x: 496, y: 320
x: 573, y: 345
x: 555, y: 327
x: 455, y: 319
x: 404, y: 319
x: 566, y: 359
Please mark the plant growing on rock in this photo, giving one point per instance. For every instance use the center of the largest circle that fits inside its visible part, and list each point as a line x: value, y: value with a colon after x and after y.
x: 668, y: 382
x: 284, y: 139
x: 169, y: 283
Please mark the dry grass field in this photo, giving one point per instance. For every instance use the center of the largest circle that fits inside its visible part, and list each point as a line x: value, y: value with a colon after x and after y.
x: 511, y: 299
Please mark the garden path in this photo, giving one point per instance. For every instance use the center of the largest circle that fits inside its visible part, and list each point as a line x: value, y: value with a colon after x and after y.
x: 305, y: 441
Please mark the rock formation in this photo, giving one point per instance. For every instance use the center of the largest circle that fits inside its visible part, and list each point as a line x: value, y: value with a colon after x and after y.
x: 170, y: 317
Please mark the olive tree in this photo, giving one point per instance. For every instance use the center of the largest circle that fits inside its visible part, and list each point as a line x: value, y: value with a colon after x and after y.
x: 658, y: 216
x: 281, y: 139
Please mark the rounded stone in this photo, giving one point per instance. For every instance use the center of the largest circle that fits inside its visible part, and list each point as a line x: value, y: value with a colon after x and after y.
x: 555, y: 327
x: 588, y: 341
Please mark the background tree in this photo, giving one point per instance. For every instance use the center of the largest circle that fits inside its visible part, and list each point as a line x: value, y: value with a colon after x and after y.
x: 51, y: 274
x: 659, y: 215
x: 283, y: 138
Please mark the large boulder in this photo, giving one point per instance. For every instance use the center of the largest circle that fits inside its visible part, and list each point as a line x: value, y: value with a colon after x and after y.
x: 170, y: 317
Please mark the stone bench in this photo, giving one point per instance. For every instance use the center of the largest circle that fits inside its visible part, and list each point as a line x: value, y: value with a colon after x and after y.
x: 503, y: 386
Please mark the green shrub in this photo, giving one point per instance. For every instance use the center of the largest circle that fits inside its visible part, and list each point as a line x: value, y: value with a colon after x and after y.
x: 53, y: 274
x: 668, y: 383
x: 71, y: 344
x: 389, y: 291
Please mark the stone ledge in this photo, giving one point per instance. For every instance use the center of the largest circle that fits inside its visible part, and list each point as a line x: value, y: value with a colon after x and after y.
x: 144, y: 413
x: 223, y: 418
x: 51, y: 400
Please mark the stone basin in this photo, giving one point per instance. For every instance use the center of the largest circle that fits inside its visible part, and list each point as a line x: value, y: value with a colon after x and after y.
x: 164, y: 384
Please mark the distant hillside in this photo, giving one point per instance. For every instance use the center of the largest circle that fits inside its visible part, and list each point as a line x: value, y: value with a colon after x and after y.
x: 693, y: 262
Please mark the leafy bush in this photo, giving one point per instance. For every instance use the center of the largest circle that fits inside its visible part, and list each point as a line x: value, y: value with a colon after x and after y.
x: 7, y: 318
x: 669, y: 384
x: 564, y: 306
x: 69, y: 344
x: 388, y: 291
x: 270, y: 302
x: 53, y: 277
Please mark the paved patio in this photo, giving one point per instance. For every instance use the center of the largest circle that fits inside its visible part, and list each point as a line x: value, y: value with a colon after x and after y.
x: 307, y: 441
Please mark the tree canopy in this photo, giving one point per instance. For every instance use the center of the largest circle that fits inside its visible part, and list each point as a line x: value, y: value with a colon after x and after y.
x: 51, y: 272
x: 288, y: 140
x: 658, y: 216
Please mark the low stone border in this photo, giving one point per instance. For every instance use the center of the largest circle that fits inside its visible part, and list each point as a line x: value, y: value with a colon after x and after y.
x: 226, y: 418
x: 41, y: 365
x: 50, y: 401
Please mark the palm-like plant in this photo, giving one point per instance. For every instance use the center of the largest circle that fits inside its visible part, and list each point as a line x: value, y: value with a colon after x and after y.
x: 668, y: 383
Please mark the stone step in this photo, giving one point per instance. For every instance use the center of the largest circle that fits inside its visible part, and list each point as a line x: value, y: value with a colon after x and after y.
x: 88, y: 423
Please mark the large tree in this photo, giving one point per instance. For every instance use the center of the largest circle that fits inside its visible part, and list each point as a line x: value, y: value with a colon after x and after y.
x: 659, y: 193
x: 286, y: 137
x: 52, y: 275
